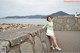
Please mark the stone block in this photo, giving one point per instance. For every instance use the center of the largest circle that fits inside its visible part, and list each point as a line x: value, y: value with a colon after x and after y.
x: 45, y: 47
x: 31, y: 39
x: 67, y: 27
x: 18, y: 39
x: 59, y: 27
x: 78, y: 21
x: 26, y: 48
x: 5, y: 44
x: 43, y: 36
x: 78, y: 26
x: 59, y: 20
x: 38, y: 45
x: 71, y: 22
x: 11, y: 51
x: 48, y: 43
x: 75, y: 27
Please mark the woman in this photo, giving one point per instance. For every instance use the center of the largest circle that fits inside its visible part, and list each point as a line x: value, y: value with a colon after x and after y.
x: 50, y: 33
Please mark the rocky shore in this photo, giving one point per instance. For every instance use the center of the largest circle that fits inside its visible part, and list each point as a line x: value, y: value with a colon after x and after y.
x: 13, y: 26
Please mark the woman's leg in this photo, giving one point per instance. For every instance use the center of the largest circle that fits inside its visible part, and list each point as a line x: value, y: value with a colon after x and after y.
x: 51, y: 41
x: 55, y: 42
x: 52, y: 45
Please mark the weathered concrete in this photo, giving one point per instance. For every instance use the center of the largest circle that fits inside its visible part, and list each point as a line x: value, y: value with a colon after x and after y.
x: 69, y: 41
x: 38, y: 45
x: 26, y: 47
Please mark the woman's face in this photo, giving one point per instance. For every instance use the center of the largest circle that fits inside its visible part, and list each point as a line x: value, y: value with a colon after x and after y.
x: 49, y: 19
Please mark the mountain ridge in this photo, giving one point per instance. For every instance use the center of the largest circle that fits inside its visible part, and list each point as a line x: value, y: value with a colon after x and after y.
x: 59, y: 13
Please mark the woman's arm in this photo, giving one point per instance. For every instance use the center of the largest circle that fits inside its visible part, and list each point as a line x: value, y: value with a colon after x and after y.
x: 45, y: 25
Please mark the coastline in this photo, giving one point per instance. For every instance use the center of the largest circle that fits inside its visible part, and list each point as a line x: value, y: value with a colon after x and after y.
x: 13, y: 26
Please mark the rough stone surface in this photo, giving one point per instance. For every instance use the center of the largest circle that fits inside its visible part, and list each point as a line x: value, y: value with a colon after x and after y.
x: 26, y: 39
x: 79, y: 21
x: 15, y: 49
x: 5, y: 44
x: 26, y: 48
x: 71, y: 21
x: 58, y: 27
x: 38, y: 45
x: 66, y: 23
x: 48, y: 43
x: 60, y: 21
x: 43, y: 36
x: 18, y: 35
x: 11, y: 51
x: 67, y: 27
x: 31, y: 39
x: 78, y: 26
x: 75, y: 27
x: 45, y: 47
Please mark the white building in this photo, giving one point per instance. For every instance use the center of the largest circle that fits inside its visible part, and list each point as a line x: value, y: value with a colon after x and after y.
x: 77, y: 14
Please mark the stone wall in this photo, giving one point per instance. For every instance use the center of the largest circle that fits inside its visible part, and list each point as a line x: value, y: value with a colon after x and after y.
x: 66, y: 23
x: 25, y: 40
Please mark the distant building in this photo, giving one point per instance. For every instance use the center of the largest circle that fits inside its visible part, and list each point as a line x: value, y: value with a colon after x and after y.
x: 77, y: 14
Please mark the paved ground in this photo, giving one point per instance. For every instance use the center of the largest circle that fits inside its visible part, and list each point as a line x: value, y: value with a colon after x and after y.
x: 69, y: 41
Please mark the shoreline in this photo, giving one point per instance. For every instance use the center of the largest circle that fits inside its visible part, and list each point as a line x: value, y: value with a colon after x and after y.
x: 13, y: 26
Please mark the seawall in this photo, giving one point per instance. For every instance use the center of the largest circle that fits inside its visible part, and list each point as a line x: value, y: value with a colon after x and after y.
x: 30, y: 40
x: 66, y: 23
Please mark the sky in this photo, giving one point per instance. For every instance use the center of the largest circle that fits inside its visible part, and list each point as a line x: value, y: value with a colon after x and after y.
x: 36, y: 7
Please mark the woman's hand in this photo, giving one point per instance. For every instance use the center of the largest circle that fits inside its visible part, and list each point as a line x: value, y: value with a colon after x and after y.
x: 43, y: 27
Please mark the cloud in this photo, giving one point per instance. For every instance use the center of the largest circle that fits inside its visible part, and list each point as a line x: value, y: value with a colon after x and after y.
x: 32, y: 7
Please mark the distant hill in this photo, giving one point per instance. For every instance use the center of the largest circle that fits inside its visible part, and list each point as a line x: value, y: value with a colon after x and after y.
x: 59, y: 13
x: 35, y: 16
x: 30, y: 16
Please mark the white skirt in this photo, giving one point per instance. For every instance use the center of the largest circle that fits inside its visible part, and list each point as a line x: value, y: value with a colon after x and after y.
x: 50, y: 33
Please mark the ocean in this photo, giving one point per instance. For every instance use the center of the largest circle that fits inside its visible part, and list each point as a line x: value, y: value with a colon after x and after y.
x: 24, y: 21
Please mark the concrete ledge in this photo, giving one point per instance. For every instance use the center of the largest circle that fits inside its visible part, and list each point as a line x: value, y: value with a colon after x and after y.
x: 28, y: 38
x: 17, y: 36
